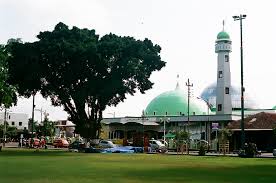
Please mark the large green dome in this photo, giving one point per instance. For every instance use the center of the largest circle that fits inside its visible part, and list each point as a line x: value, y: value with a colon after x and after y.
x: 223, y: 35
x: 174, y: 103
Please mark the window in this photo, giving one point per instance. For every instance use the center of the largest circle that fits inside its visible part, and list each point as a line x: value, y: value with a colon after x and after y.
x: 193, y: 113
x: 166, y: 113
x: 219, y: 107
x: 20, y: 123
x: 226, y: 90
x: 226, y: 58
x: 13, y: 123
x: 154, y: 113
x: 180, y: 113
x: 220, y: 74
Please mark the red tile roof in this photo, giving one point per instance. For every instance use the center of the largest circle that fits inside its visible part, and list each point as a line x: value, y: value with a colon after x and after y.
x: 261, y: 120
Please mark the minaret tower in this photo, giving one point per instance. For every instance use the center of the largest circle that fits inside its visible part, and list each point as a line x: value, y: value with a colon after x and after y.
x: 223, y: 49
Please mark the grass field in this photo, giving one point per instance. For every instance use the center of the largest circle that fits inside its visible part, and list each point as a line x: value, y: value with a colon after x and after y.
x: 22, y: 166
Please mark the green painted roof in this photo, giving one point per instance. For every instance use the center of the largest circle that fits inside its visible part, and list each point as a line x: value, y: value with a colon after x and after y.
x: 223, y: 35
x: 174, y: 103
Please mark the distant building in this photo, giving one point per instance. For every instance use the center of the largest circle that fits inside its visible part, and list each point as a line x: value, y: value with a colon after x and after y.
x: 18, y: 120
x: 64, y: 128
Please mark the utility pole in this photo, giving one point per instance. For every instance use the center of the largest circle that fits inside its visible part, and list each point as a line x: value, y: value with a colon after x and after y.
x: 33, y: 107
x: 189, y: 85
x: 4, y: 130
x: 240, y: 18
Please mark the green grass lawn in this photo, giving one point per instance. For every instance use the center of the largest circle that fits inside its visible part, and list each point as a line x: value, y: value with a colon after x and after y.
x: 22, y: 166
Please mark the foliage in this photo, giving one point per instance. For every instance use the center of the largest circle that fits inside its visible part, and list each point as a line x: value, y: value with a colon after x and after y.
x: 46, y: 129
x: 30, y: 125
x: 182, y: 135
x: 202, y: 150
x: 224, y: 135
x: 7, y: 92
x: 83, y: 72
x: 11, y: 131
x: 250, y: 150
x: 274, y: 131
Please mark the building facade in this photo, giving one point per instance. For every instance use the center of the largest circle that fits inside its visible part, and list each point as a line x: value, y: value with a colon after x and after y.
x: 18, y: 120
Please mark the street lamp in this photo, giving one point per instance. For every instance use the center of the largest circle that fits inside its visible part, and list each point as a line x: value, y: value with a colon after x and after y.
x: 165, y: 119
x: 209, y: 107
x: 5, y: 127
x: 143, y: 117
x: 240, y: 18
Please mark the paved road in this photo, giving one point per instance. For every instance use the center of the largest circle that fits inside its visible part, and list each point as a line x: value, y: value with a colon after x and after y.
x: 263, y: 155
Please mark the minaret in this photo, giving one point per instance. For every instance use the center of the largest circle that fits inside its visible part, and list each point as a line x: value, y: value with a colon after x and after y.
x: 223, y: 49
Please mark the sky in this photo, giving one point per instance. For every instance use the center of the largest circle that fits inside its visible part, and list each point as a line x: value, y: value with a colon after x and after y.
x: 185, y: 30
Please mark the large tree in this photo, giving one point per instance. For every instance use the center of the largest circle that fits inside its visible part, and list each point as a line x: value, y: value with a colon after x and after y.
x: 83, y: 72
x: 7, y: 91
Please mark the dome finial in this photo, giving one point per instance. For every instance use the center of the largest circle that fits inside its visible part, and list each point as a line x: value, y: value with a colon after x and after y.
x: 223, y: 23
x: 177, y: 82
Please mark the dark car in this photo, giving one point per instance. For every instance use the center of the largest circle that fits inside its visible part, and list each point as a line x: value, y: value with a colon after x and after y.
x: 77, y: 145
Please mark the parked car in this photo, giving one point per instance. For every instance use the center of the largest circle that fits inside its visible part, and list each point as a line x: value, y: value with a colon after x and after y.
x: 36, y: 142
x: 156, y: 145
x: 106, y: 144
x: 60, y: 143
x: 77, y: 145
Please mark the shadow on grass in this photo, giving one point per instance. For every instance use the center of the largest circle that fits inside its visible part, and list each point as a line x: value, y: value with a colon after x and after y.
x: 241, y: 174
x: 33, y: 152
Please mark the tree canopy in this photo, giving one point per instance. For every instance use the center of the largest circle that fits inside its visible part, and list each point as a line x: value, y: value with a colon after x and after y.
x: 7, y: 91
x: 84, y: 72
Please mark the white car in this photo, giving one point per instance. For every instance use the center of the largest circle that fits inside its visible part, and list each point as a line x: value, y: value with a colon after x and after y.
x: 156, y: 145
x: 107, y: 144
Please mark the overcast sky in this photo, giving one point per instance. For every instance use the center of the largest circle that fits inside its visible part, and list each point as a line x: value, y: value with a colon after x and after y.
x: 186, y: 31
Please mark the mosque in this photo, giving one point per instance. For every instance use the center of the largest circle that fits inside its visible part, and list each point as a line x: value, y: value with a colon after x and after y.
x: 217, y: 106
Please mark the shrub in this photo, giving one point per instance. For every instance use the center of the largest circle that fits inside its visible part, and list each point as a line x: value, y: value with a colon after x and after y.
x: 202, y: 150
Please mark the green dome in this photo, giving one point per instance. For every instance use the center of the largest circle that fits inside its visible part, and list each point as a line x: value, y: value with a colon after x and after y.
x: 223, y: 35
x: 174, y: 103
x: 274, y: 107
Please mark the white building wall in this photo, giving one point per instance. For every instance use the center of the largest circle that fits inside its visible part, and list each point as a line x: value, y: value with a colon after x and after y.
x: 19, y: 120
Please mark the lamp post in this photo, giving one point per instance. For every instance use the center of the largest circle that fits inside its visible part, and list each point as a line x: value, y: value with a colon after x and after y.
x: 143, y: 117
x: 41, y: 114
x: 240, y: 18
x: 208, y: 113
x: 189, y: 85
x: 164, y: 120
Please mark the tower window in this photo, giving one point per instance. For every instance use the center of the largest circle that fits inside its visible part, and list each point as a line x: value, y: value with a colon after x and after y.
x: 226, y: 90
x: 219, y: 107
x: 226, y: 58
x: 13, y: 123
x: 220, y: 74
x: 20, y: 123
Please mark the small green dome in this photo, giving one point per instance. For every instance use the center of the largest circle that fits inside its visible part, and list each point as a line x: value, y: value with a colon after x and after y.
x: 274, y: 107
x: 223, y: 35
x: 173, y: 103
